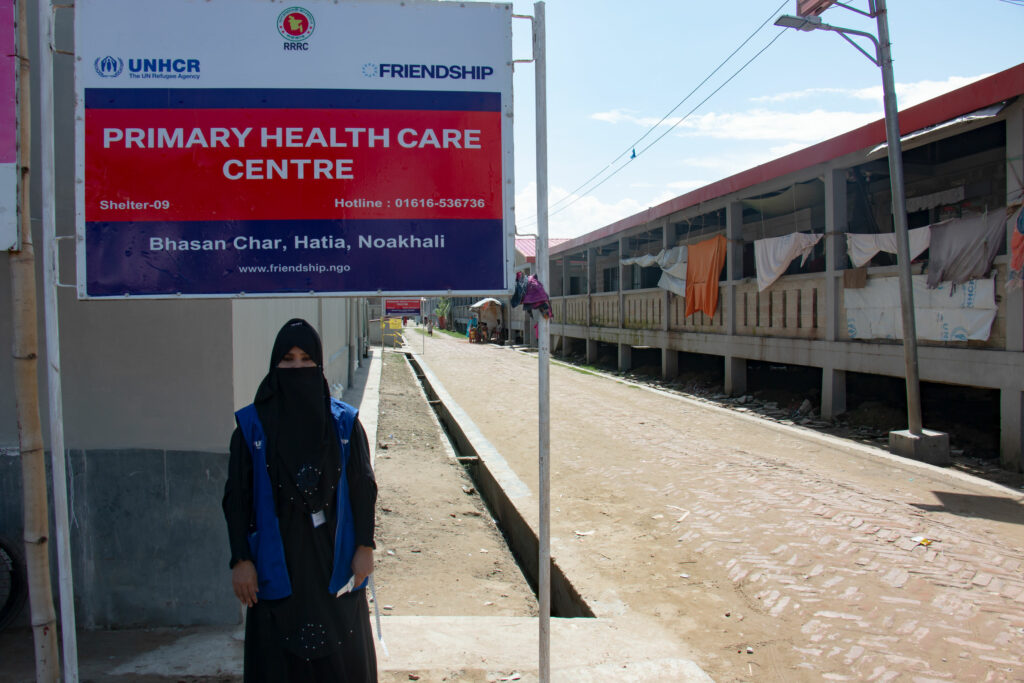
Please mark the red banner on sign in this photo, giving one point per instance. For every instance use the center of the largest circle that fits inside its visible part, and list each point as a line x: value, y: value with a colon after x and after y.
x: 291, y: 164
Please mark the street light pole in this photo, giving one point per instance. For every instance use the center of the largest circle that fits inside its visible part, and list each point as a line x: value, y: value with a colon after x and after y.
x: 915, y: 442
x: 899, y: 209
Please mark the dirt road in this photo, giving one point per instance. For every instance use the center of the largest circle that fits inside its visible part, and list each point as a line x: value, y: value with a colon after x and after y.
x: 775, y: 554
x: 438, y: 551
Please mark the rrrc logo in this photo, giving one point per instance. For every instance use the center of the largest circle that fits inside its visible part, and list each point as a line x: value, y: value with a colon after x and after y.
x: 109, y: 67
x: 296, y: 25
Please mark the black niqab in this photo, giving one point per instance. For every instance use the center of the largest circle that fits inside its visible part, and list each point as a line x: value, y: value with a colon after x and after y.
x: 293, y: 405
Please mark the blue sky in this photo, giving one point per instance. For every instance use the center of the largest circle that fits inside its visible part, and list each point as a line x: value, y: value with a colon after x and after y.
x: 616, y: 68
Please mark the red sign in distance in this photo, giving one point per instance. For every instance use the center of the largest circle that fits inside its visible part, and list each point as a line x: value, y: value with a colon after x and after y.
x: 401, y: 307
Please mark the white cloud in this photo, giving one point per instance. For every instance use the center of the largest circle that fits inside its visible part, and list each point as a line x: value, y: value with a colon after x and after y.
x: 908, y: 94
x: 804, y: 127
x: 578, y: 218
x: 723, y: 143
x: 766, y: 124
x: 620, y: 116
x: 755, y: 124
x: 800, y: 94
x: 685, y: 185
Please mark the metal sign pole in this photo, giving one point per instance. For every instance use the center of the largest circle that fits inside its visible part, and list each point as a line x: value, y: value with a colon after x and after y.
x: 55, y: 400
x: 543, y: 348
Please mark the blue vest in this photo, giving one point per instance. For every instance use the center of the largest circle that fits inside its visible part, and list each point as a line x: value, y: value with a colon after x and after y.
x: 265, y: 543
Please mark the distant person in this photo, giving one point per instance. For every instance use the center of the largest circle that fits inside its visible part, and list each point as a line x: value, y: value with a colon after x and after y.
x: 299, y: 504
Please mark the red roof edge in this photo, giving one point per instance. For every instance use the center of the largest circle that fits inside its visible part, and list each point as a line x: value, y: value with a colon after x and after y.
x: 995, y: 88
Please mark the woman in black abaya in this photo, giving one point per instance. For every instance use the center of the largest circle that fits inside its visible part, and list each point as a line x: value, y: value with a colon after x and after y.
x: 317, y: 472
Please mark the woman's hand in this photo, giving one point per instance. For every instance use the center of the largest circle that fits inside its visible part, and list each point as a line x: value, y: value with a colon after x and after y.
x: 362, y: 563
x: 244, y: 582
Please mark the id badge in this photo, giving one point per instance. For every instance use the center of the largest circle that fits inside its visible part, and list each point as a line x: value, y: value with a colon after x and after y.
x: 318, y: 518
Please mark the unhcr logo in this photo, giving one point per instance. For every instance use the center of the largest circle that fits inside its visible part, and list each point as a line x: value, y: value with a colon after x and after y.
x: 109, y: 67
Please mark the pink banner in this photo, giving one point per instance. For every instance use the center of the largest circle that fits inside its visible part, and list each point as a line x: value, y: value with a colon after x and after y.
x: 8, y: 85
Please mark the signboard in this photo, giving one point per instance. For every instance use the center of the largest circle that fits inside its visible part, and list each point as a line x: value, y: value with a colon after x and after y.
x: 401, y: 307
x: 228, y: 147
x: 8, y: 128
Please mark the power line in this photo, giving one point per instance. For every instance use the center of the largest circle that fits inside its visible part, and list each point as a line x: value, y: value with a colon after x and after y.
x: 632, y: 147
x: 611, y: 175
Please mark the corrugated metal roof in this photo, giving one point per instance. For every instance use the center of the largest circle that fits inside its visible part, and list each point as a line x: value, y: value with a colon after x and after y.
x: 996, y: 88
x: 527, y: 246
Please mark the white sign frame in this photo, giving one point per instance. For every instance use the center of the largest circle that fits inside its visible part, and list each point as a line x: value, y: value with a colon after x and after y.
x: 240, y: 45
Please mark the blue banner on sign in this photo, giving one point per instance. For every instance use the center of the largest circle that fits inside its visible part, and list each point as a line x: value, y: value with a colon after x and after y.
x: 277, y: 98
x: 253, y: 257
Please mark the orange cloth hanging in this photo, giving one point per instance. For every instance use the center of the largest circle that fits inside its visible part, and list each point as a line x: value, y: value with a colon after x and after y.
x: 705, y: 262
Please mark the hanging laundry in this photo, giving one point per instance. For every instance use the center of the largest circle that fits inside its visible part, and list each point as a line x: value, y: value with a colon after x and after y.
x: 520, y: 290
x: 963, y: 249
x: 774, y: 254
x: 644, y: 261
x: 706, y: 260
x: 536, y: 298
x: 673, y: 266
x: 1015, y: 278
x: 673, y: 262
x: 862, y: 248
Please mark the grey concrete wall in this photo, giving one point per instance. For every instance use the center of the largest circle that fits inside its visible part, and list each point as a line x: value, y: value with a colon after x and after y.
x: 148, y: 540
x: 8, y: 417
x: 146, y: 374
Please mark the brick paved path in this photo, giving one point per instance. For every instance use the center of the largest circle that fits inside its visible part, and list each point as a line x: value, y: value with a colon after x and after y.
x: 732, y: 533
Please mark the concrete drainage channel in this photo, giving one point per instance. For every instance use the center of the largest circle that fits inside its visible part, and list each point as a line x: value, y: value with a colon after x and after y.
x: 521, y: 539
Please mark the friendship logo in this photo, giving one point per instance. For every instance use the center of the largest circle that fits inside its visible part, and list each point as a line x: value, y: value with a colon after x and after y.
x: 296, y: 24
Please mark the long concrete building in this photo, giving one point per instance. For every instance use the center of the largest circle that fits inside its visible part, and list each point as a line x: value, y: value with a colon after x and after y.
x: 963, y: 155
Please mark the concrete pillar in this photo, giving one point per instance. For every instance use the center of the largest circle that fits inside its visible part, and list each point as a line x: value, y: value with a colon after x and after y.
x: 735, y: 376
x: 833, y: 392
x: 591, y: 351
x: 733, y: 262
x: 591, y: 281
x: 1014, y: 305
x: 565, y: 275
x: 833, y: 382
x: 669, y: 363
x: 625, y: 357
x: 622, y: 282
x: 836, y: 226
x: 1011, y: 428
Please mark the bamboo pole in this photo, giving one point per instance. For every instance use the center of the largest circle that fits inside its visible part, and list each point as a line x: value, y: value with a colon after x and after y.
x: 25, y: 354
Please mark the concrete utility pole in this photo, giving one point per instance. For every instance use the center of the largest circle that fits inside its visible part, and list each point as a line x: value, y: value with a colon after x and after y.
x: 914, y: 442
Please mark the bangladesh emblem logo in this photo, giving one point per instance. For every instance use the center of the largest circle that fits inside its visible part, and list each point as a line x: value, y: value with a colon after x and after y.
x: 109, y: 67
x: 296, y: 24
